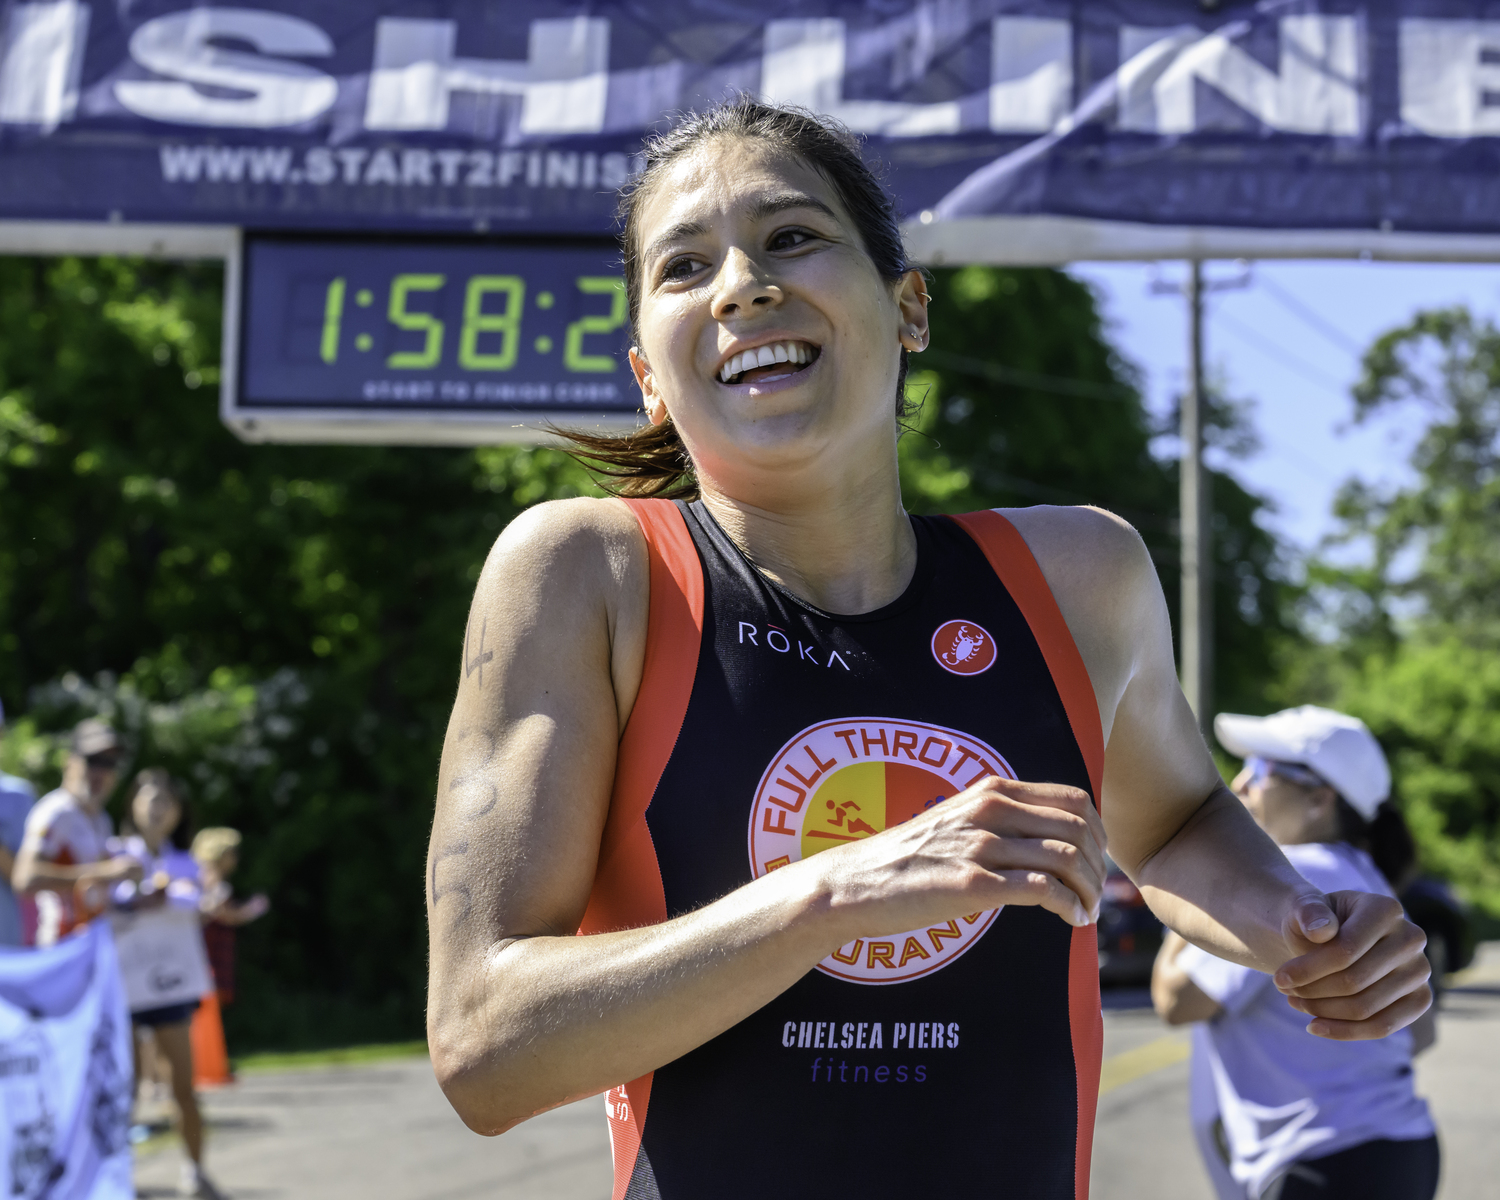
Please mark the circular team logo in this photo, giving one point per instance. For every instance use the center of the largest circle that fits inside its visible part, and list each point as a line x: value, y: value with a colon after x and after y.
x: 841, y: 781
x: 963, y: 648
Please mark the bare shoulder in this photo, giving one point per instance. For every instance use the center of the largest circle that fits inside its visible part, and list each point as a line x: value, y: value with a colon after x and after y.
x: 568, y: 580
x: 1083, y: 546
x: 566, y: 541
x: 1105, y: 584
x: 572, y: 533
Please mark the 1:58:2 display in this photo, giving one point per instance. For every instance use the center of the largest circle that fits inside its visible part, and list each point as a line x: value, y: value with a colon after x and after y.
x: 489, y: 339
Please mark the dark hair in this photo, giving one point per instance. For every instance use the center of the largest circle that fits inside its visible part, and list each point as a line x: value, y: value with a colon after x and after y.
x: 1386, y: 838
x: 653, y: 461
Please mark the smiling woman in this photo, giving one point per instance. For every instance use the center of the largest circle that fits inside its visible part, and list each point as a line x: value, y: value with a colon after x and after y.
x: 654, y: 461
x: 782, y: 751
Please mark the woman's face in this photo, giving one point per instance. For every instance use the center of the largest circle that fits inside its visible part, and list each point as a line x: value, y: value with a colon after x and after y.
x: 1289, y: 812
x: 156, y: 812
x: 747, y: 248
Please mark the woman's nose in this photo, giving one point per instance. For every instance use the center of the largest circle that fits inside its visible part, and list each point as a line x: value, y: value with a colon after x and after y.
x: 742, y: 288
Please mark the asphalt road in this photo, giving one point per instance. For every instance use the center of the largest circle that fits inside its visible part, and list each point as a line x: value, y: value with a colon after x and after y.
x: 385, y: 1130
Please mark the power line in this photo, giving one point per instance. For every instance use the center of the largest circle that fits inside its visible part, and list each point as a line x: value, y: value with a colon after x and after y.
x: 1016, y: 377
x: 1278, y: 354
x: 1330, y: 331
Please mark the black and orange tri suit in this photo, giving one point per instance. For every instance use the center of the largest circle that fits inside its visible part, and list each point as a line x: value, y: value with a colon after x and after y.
x: 959, y: 1059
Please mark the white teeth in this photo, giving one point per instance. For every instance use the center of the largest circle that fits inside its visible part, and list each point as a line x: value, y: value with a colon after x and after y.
x: 765, y: 356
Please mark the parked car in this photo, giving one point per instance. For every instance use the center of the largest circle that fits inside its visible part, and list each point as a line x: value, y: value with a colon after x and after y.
x: 1129, y: 933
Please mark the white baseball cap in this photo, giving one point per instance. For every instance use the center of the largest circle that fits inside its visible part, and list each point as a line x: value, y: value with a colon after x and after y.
x: 1339, y: 748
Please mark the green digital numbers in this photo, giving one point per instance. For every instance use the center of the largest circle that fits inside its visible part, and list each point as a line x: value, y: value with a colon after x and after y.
x: 426, y: 323
x: 490, y: 338
x: 333, y: 315
x: 573, y: 356
x: 507, y: 323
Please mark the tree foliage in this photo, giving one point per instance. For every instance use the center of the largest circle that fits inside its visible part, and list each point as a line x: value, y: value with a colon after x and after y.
x: 1418, y: 647
x: 279, y: 625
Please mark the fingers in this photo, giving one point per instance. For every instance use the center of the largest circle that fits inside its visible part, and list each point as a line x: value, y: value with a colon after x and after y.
x: 1044, y: 891
x: 1366, y: 981
x: 1407, y: 978
x: 1048, y: 830
x: 1010, y: 808
x: 1071, y: 800
x: 1400, y: 948
x: 1060, y: 861
x: 998, y: 842
x: 1365, y: 919
x: 1382, y: 1024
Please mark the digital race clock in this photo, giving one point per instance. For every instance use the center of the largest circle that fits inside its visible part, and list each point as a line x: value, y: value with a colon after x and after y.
x: 429, y: 341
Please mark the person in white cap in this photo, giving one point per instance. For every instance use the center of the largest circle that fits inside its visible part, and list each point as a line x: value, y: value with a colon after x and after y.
x: 1280, y: 1115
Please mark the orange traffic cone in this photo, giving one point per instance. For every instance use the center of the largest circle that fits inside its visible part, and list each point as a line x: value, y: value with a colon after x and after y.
x: 210, y: 1054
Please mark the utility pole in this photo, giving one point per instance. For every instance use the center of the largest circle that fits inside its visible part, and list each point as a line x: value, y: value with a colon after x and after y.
x: 1195, y: 655
x: 1195, y: 513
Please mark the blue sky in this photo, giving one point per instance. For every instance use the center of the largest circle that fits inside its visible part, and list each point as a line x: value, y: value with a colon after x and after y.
x: 1296, y: 371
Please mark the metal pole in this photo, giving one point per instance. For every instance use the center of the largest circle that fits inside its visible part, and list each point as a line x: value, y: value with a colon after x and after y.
x: 1196, y: 513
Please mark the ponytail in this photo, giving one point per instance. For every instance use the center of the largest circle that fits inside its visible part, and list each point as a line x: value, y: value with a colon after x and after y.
x: 1386, y: 838
x: 649, y: 463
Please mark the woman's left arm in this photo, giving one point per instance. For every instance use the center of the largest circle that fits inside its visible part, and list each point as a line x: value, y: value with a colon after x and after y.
x: 1350, y: 960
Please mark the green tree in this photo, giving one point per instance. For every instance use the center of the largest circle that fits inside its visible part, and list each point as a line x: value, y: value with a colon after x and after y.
x: 280, y: 625
x: 1417, y: 654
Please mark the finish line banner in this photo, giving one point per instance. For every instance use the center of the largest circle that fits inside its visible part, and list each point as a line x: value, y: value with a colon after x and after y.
x: 66, y: 1076
x: 454, y: 115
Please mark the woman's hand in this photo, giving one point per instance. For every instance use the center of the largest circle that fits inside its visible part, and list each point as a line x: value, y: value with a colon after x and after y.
x: 1360, y: 971
x: 999, y: 842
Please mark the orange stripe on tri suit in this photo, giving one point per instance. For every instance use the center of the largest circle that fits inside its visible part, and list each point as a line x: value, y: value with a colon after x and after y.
x: 1017, y: 567
x: 628, y: 889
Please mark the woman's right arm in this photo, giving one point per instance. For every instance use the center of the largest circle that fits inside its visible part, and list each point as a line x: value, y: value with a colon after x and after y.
x: 523, y: 1015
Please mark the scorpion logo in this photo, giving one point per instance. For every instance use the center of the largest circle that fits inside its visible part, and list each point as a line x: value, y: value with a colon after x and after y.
x: 963, y: 647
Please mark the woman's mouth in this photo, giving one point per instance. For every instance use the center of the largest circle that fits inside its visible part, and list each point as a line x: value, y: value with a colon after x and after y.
x: 765, y: 363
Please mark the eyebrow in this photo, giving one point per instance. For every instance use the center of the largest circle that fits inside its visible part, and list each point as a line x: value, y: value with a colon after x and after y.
x: 766, y: 206
x: 769, y: 206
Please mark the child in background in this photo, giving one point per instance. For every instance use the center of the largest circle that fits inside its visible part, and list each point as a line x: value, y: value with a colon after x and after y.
x: 217, y: 851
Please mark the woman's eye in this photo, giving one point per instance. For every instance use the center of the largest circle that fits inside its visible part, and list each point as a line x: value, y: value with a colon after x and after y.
x: 789, y: 239
x: 679, y: 268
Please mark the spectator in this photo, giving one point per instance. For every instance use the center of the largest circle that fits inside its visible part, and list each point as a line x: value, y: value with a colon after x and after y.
x: 17, y: 797
x: 170, y: 880
x: 1302, y: 1117
x: 63, y: 848
x: 217, y: 852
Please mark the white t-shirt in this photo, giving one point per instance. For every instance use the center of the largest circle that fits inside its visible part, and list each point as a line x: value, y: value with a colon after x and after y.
x: 162, y: 958
x: 1283, y: 1094
x: 60, y: 830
